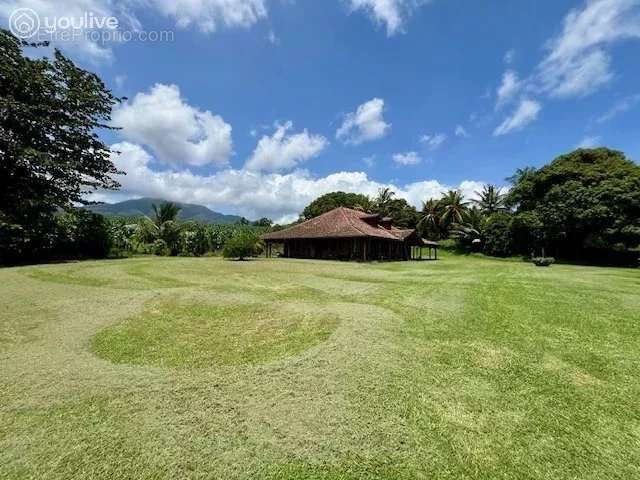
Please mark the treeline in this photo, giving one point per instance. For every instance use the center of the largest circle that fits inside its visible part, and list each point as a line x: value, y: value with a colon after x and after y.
x: 583, y: 206
x: 80, y: 234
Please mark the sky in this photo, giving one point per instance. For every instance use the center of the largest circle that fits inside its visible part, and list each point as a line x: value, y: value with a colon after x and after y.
x: 256, y: 107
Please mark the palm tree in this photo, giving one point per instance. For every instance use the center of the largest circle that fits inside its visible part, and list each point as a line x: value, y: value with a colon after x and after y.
x: 168, y: 212
x: 430, y: 218
x: 472, y: 229
x: 521, y: 175
x: 163, y: 226
x: 454, y: 207
x: 385, y: 195
x: 490, y: 200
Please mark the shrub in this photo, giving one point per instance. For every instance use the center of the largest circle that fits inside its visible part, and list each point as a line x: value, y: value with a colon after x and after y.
x: 543, y: 261
x: 241, y: 246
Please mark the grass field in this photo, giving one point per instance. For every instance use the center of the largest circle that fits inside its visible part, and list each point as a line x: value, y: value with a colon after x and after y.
x: 171, y: 368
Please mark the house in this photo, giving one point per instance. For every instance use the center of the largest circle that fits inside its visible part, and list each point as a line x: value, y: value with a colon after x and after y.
x: 347, y: 234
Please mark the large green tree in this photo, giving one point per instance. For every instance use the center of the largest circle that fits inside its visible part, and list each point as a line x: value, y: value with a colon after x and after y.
x: 333, y: 200
x: 583, y: 201
x: 51, y: 154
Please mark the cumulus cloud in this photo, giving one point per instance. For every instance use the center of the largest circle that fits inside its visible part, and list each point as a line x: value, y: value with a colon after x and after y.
x: 393, y: 14
x: 365, y: 124
x: 509, y: 88
x: 284, y: 151
x: 250, y: 193
x: 526, y: 113
x: 175, y: 131
x: 407, y: 158
x: 433, y: 142
x: 578, y: 62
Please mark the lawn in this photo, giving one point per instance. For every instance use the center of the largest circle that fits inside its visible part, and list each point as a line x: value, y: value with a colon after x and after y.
x: 170, y: 368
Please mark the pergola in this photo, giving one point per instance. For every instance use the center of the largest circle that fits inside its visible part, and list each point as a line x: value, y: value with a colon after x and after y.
x: 417, y: 252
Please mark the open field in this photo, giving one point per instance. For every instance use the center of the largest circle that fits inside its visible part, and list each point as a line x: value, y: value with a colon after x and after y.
x: 168, y: 368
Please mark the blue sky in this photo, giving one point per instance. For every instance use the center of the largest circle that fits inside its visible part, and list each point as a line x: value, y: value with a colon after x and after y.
x: 257, y: 106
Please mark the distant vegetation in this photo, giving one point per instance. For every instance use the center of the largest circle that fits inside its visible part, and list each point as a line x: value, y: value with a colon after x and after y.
x: 583, y: 206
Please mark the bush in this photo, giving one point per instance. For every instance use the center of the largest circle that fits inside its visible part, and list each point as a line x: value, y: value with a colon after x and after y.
x: 241, y: 246
x: 543, y: 261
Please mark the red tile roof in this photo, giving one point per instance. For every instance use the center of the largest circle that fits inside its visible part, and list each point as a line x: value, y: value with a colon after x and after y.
x: 339, y: 223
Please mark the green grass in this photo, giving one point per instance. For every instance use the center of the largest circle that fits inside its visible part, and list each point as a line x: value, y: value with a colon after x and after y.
x: 164, y: 368
x: 198, y: 335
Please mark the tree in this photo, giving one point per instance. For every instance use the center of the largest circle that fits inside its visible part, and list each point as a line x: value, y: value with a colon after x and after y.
x: 51, y: 155
x: 453, y: 207
x: 429, y: 221
x: 497, y: 235
x: 471, y: 230
x: 167, y: 228
x: 384, y: 199
x: 241, y: 246
x: 586, y: 201
x: 332, y: 200
x: 263, y: 222
x: 521, y: 175
x: 491, y: 200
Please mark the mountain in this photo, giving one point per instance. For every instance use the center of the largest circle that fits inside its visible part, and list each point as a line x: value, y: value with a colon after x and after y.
x: 143, y: 206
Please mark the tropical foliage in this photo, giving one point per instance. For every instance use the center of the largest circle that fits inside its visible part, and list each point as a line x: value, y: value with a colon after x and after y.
x: 51, y: 156
x: 584, y: 205
x: 244, y: 245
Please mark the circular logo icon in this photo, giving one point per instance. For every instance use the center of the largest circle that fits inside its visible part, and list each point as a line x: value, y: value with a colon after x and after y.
x: 24, y: 23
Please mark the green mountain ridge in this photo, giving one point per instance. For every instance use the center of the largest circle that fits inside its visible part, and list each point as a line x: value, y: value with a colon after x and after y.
x: 144, y: 207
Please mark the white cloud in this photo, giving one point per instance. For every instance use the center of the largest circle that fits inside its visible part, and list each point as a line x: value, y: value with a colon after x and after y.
x: 578, y: 63
x: 283, y: 151
x: 252, y: 194
x: 589, y: 142
x: 81, y: 45
x: 273, y: 38
x: 120, y: 80
x: 509, y: 56
x: 209, y: 15
x: 619, y: 108
x: 408, y: 158
x: 392, y: 14
x: 433, y: 141
x: 509, y: 88
x: 526, y: 113
x: 369, y: 161
x: 365, y: 124
x: 461, y: 132
x: 175, y: 131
